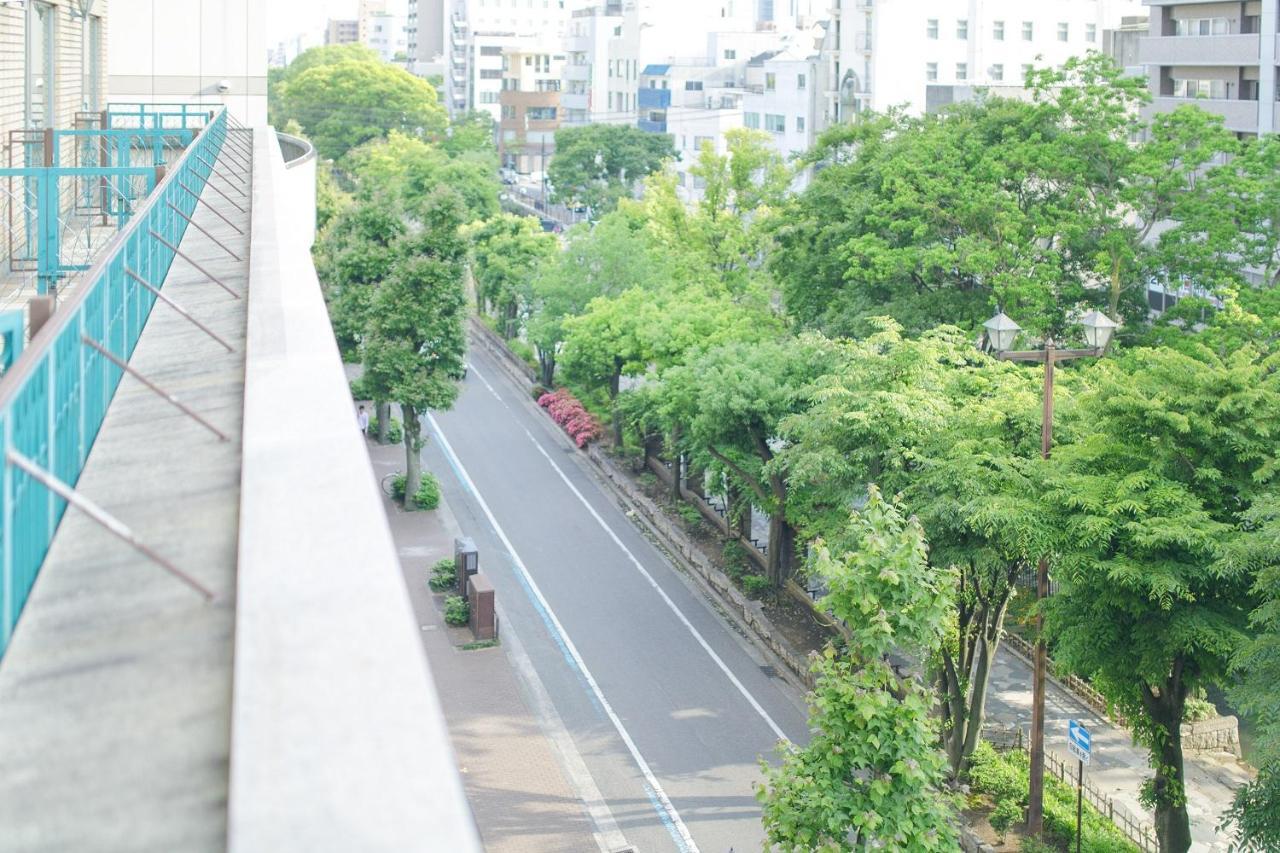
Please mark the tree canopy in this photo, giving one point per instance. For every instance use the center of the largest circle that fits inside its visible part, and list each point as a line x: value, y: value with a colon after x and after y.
x: 597, y: 164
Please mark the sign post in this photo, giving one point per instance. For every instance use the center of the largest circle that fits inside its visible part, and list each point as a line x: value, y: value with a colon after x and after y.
x: 1078, y: 743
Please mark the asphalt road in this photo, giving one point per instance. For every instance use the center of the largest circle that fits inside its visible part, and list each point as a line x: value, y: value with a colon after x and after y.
x: 668, y: 709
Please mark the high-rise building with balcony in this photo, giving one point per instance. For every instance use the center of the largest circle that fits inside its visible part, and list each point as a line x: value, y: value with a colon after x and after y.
x: 424, y: 36
x: 476, y: 34
x: 1221, y: 55
x: 341, y: 31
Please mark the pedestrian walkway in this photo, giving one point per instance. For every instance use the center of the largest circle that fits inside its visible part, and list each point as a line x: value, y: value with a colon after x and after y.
x: 515, y: 782
x: 1118, y: 766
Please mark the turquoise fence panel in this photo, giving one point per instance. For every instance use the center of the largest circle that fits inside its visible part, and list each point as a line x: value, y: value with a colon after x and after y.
x: 55, y: 395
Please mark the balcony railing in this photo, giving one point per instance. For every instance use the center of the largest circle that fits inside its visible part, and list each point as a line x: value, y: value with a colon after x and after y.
x: 54, y: 396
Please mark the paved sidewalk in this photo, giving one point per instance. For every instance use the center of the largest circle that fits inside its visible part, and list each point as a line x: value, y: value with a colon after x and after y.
x: 1119, y: 767
x: 515, y: 783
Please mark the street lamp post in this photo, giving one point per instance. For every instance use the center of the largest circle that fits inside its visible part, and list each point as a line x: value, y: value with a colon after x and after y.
x: 1001, y: 333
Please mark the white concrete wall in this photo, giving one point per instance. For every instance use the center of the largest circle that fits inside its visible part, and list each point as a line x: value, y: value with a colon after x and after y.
x: 181, y: 51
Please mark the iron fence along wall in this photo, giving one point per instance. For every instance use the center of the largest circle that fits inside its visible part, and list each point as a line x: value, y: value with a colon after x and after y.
x: 54, y: 398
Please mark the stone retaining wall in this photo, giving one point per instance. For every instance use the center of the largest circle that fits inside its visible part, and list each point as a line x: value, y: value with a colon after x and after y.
x: 1220, y: 734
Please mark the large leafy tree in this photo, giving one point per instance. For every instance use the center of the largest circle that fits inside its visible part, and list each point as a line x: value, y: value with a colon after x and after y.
x: 1256, y: 813
x: 356, y: 252
x: 957, y: 435
x: 729, y: 402
x: 506, y: 253
x: 870, y: 777
x: 415, y: 344
x: 343, y: 104
x: 407, y: 168
x: 615, y: 255
x: 1151, y: 505
x: 598, y: 164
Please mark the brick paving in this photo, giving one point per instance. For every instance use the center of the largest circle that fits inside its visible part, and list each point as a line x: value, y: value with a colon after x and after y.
x: 518, y: 791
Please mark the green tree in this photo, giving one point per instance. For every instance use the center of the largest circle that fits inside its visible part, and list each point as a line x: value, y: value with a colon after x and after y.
x: 309, y: 58
x: 870, y: 777
x: 729, y: 402
x: 343, y: 104
x: 407, y: 168
x: 1256, y: 812
x: 415, y: 344
x: 506, y: 253
x: 597, y: 164
x: 1149, y: 503
x: 356, y: 253
x: 615, y: 255
x: 472, y: 133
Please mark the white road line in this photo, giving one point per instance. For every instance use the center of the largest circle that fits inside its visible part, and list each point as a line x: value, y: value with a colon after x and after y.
x: 697, y: 635
x: 679, y: 830
x: 608, y: 836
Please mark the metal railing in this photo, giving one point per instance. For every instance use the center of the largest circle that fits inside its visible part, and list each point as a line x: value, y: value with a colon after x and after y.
x: 54, y: 396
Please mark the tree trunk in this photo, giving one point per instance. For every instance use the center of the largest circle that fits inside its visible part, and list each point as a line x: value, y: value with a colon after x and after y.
x: 384, y: 421
x: 546, y: 367
x: 1173, y: 826
x: 953, y: 712
x: 677, y: 463
x: 412, y: 455
x: 782, y: 538
x: 1114, y: 301
x: 615, y: 384
x: 509, y: 321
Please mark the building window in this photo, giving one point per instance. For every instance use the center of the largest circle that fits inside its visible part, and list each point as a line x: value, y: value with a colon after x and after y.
x: 931, y: 29
x: 751, y: 121
x: 997, y: 73
x: 775, y: 123
x: 700, y: 141
x: 962, y: 71
x: 1026, y: 72
x: 1091, y: 33
x: 488, y: 97
x: 770, y: 81
x: 693, y: 85
x: 800, y: 81
x: 1028, y: 30
x: 1202, y: 26
x: 1213, y: 89
x: 962, y: 28
x: 730, y: 54
x: 1064, y: 31
x: 931, y: 72
x: 490, y: 73
x: 799, y: 124
x: 490, y: 50
x: 541, y: 113
x: 997, y: 30
x: 508, y: 111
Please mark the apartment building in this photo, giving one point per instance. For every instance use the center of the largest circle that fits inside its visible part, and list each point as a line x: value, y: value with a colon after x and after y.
x: 214, y: 53
x: 1222, y: 55
x: 384, y: 34
x: 782, y: 97
x: 52, y: 65
x: 342, y: 31
x: 424, y: 36
x: 530, y: 108
x: 476, y: 34
x: 697, y: 104
x: 888, y: 53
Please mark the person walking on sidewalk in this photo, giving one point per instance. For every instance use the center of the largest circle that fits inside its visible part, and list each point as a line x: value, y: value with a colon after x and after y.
x: 362, y: 418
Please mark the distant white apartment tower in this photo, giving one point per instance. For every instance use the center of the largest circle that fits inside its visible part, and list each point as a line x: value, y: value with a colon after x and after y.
x: 384, y: 34
x: 213, y: 53
x: 1222, y: 55
x: 475, y: 35
x: 889, y: 52
x: 783, y: 98
x: 696, y: 104
x: 424, y: 35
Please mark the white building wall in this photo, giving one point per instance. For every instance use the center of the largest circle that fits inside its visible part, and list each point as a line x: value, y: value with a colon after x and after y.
x: 170, y: 52
x: 689, y: 127
x: 797, y: 104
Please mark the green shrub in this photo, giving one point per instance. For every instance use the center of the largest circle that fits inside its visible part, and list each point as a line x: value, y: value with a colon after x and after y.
x: 397, y: 487
x: 537, y: 390
x: 1006, y: 814
x: 1198, y: 708
x: 689, y: 513
x: 755, y: 586
x: 734, y: 557
x: 428, y: 494
x: 523, y: 351
x: 647, y: 479
x: 457, y: 611
x: 358, y: 391
x: 1035, y: 845
x: 443, y: 576
x: 992, y: 774
x: 395, y: 432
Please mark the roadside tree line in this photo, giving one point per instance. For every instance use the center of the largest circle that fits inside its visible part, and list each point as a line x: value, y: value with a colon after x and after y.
x: 815, y: 352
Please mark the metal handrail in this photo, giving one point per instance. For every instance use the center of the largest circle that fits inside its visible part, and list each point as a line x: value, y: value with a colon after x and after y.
x: 54, y: 397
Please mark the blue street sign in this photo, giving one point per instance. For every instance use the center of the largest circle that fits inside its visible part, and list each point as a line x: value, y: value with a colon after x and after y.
x: 1078, y: 740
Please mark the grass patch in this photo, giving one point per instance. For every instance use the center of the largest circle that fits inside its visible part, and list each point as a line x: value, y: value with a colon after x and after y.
x: 479, y: 644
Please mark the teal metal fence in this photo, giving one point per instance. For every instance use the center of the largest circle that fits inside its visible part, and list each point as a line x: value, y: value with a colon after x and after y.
x: 54, y: 396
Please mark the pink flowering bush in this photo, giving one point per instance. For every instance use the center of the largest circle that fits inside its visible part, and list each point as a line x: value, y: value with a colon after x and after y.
x: 573, y: 418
